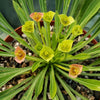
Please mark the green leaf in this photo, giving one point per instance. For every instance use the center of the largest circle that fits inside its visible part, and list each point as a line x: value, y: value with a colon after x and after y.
x: 92, y: 8
x: 6, y: 54
x: 30, y: 5
x: 20, y: 12
x: 53, y: 86
x: 66, y: 88
x: 6, y: 44
x: 82, y: 56
x: 66, y: 4
x: 33, y: 58
x: 12, y: 93
x: 55, y: 98
x: 24, y: 43
x: 90, y: 83
x: 4, y: 48
x: 8, y: 91
x: 28, y: 94
x: 76, y: 93
x: 25, y: 9
x: 39, y: 84
x: 35, y: 66
x: 6, y: 76
x: 59, y: 93
x: 45, y: 88
x: 5, y: 23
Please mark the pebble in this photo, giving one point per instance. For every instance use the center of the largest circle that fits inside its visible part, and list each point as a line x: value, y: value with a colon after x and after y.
x: 48, y: 94
x: 86, y: 38
x: 91, y: 97
x: 3, y: 88
x: 1, y: 65
x: 23, y: 35
x: 30, y: 54
x: 98, y: 77
x: 51, y: 28
x: 86, y: 77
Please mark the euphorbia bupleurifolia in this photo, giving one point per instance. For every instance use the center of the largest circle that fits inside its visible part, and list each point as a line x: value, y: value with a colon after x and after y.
x: 56, y: 54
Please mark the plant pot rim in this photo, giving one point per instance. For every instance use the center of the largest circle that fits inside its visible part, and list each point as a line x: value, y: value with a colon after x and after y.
x: 18, y: 30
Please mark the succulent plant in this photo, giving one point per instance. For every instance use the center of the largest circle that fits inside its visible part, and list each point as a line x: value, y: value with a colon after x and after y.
x: 56, y: 55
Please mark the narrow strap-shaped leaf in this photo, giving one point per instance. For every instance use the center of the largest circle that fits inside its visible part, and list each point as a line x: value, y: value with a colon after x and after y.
x: 6, y: 78
x: 20, y: 12
x: 39, y: 84
x: 58, y: 4
x: 13, y: 93
x: 69, y: 30
x: 33, y: 58
x: 42, y: 4
x: 53, y: 86
x: 96, y: 62
x: 24, y: 43
x: 90, y: 11
x: 25, y: 9
x: 6, y: 54
x: 6, y: 44
x: 65, y: 87
x: 89, y: 74
x: 88, y: 68
x: 95, y: 26
x: 4, y: 22
x: 86, y: 42
x: 30, y: 5
x: 86, y: 82
x: 66, y: 4
x: 35, y: 66
x: 59, y: 93
x: 55, y: 98
x: 90, y: 83
x: 75, y: 92
x: 57, y: 25
x: 4, y: 48
x: 7, y: 91
x: 45, y: 88
x: 73, y: 7
x: 6, y: 31
x: 28, y: 94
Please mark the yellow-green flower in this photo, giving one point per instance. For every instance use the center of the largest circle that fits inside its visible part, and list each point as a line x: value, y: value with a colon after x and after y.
x: 65, y: 46
x: 65, y: 20
x: 28, y: 27
x: 48, y: 16
x: 46, y: 53
x: 77, y: 30
x: 75, y: 70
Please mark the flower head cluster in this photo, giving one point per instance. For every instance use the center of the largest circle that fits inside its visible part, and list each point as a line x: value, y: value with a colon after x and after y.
x: 36, y: 16
x: 65, y: 20
x: 19, y: 55
x: 75, y: 70
x: 65, y: 46
x: 48, y: 16
x: 77, y: 30
x: 46, y: 53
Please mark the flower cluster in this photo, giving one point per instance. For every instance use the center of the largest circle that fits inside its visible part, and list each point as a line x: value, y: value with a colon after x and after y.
x: 52, y: 50
x: 46, y: 52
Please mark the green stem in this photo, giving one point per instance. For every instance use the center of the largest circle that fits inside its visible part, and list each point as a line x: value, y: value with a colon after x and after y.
x: 48, y: 34
x: 61, y: 67
x: 41, y: 33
